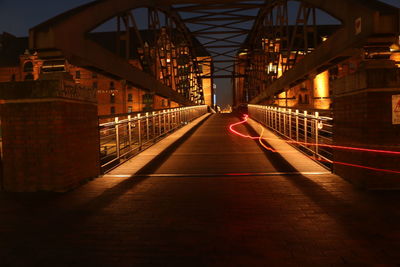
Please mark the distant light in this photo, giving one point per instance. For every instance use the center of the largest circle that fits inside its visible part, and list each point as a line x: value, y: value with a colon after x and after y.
x: 395, y: 48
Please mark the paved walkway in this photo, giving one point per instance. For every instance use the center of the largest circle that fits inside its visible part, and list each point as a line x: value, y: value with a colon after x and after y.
x: 189, y: 210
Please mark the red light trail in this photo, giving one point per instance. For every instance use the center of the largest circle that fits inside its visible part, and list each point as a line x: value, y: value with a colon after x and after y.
x: 261, y: 138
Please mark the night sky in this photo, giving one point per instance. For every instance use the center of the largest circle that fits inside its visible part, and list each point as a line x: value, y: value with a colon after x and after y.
x: 17, y: 16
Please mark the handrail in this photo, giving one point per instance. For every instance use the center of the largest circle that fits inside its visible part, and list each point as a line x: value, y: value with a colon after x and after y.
x: 311, y: 133
x: 128, y: 134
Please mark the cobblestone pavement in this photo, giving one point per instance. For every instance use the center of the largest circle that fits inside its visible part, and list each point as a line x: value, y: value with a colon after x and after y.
x: 204, y: 217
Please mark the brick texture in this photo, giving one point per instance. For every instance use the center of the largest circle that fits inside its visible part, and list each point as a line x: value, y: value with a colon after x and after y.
x: 49, y: 146
x: 364, y: 119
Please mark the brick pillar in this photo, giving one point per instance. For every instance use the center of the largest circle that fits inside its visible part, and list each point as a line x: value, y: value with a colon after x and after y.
x: 363, y: 118
x: 50, y: 135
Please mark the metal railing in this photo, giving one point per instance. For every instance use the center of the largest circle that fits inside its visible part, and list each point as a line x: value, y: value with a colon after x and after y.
x: 123, y: 136
x: 311, y: 133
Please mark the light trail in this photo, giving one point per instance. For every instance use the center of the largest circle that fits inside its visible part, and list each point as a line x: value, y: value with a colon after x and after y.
x: 261, y: 139
x: 311, y: 144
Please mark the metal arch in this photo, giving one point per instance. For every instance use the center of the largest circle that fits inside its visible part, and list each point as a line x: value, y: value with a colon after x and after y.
x: 51, y: 38
x: 102, y: 10
x: 62, y: 33
x: 339, y: 46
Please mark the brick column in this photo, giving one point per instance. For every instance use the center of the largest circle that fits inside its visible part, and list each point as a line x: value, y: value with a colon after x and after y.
x: 50, y: 135
x: 363, y: 118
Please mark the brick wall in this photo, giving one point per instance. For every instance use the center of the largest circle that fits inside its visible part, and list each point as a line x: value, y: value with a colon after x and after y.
x: 363, y: 118
x: 49, y: 143
x: 50, y: 146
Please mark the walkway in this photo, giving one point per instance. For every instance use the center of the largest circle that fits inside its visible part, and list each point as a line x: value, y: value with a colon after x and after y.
x: 185, y: 210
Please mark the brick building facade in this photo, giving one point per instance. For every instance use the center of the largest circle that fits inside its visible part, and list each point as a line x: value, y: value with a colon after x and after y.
x: 18, y: 63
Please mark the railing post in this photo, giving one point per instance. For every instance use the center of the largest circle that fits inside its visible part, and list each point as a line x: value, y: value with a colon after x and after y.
x: 284, y: 121
x: 139, y: 132
x: 169, y: 119
x: 274, y: 120
x: 305, y: 127
x: 278, y: 127
x: 153, y: 119
x: 180, y: 116
x: 147, y: 127
x: 164, y: 122
x: 175, y: 117
x: 297, y: 125
x: 159, y: 123
x: 130, y: 131
x: 290, y: 123
x: 265, y: 115
x: 316, y: 133
x: 117, y: 137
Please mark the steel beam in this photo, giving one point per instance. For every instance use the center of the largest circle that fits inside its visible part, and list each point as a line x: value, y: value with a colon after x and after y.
x: 223, y: 76
x: 68, y: 33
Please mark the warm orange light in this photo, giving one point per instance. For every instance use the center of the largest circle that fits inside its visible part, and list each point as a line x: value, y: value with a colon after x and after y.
x: 321, y: 91
x: 282, y: 99
x: 396, y: 58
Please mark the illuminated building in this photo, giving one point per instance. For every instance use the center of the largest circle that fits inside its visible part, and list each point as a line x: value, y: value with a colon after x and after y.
x: 18, y: 63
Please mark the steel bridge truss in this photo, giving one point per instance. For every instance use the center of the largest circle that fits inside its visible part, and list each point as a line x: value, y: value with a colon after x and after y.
x: 167, y: 55
x: 276, y: 44
x: 277, y: 52
x: 282, y: 51
x: 221, y: 29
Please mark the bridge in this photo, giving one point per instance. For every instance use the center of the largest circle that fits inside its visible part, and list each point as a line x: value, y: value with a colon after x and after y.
x: 305, y: 170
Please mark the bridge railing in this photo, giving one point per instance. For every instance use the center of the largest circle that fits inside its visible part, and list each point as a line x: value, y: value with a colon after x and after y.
x: 123, y: 136
x: 308, y: 131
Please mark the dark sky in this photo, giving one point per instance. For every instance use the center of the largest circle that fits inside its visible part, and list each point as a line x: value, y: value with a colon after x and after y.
x: 17, y: 16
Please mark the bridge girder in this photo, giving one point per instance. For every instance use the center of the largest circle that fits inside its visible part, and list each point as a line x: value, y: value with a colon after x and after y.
x: 376, y: 20
x: 67, y: 33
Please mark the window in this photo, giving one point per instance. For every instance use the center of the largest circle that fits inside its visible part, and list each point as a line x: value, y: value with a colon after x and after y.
x: 29, y: 77
x: 112, y: 86
x: 95, y: 85
x: 28, y: 66
x: 112, y: 110
x: 306, y: 100
x: 77, y: 74
x: 130, y: 109
x: 130, y: 98
x: 112, y: 98
x: 94, y: 75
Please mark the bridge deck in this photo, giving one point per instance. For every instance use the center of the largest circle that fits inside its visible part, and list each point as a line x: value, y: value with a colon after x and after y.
x: 188, y: 212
